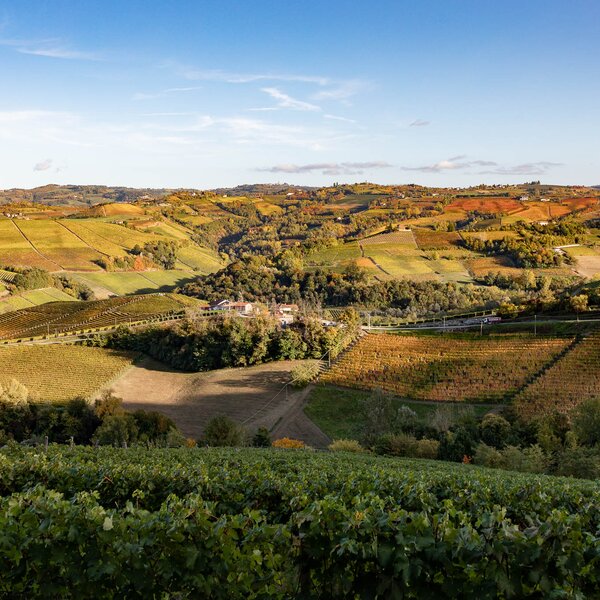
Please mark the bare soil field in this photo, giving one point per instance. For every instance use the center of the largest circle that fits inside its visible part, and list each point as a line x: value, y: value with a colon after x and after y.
x: 588, y: 266
x: 252, y: 396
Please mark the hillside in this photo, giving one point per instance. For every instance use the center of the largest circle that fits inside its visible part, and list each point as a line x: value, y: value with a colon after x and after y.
x: 277, y: 524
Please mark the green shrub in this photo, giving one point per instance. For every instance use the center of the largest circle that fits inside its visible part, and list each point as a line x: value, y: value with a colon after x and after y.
x: 579, y: 462
x: 526, y: 460
x: 427, y: 449
x: 486, y: 456
x: 346, y: 446
x: 304, y: 373
x: 117, y: 430
x: 222, y: 431
x: 586, y: 422
x: 262, y: 438
x: 495, y: 430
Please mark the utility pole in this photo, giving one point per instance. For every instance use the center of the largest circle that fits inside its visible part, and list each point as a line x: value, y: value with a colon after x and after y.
x: 535, y: 325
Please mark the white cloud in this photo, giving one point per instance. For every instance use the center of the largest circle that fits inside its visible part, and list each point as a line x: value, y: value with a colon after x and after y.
x: 341, y: 90
x: 195, y: 74
x: 420, y: 123
x: 337, y: 118
x: 286, y: 101
x: 50, y: 48
x: 536, y: 168
x: 168, y: 91
x: 44, y: 165
x: 344, y: 168
x: 453, y: 163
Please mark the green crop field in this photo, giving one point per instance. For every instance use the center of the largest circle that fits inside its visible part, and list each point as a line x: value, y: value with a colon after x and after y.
x: 85, y: 230
x: 59, y: 245
x: 68, y: 371
x: 203, y: 260
x: 134, y: 282
x: 397, y: 261
x: 16, y: 250
x: 335, y: 255
x: 255, y: 523
x: 33, y: 298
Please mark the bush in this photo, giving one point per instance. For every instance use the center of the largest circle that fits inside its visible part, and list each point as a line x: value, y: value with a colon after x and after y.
x: 586, y: 422
x: 14, y: 393
x: 288, y: 443
x: 527, y: 460
x: 427, y: 449
x: 486, y: 456
x: 117, y: 430
x: 222, y: 431
x: 262, y: 438
x: 304, y: 373
x: 494, y: 430
x: 579, y: 462
x: 346, y: 446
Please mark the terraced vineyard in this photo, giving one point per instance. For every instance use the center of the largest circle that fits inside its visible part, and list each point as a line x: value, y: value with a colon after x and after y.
x: 7, y: 276
x: 573, y: 379
x: 68, y: 371
x: 63, y: 317
x: 444, y: 369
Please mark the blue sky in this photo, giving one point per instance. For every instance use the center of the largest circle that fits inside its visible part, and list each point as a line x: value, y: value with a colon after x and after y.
x: 217, y: 93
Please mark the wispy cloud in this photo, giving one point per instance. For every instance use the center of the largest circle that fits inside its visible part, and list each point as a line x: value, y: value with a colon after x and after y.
x: 195, y: 74
x: 167, y: 92
x: 43, y: 165
x: 453, y: 163
x: 286, y: 101
x: 50, y: 48
x: 459, y: 163
x: 332, y: 88
x: 344, y: 168
x: 337, y: 118
x: 341, y: 90
x: 420, y: 123
x: 535, y: 168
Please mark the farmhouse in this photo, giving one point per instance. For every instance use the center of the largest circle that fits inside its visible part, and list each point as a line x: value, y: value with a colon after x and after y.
x: 242, y: 308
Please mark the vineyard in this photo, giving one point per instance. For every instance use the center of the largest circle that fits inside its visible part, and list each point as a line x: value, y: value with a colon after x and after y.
x: 60, y: 372
x: 227, y: 524
x: 444, y: 368
x: 65, y: 317
x: 573, y: 379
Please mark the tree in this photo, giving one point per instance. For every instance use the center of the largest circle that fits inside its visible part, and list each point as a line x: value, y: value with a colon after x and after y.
x: 586, y: 422
x: 117, y: 430
x: 494, y: 430
x: 14, y: 393
x: 579, y: 303
x: 222, y: 431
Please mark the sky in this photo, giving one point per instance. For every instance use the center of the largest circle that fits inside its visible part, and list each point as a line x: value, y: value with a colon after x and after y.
x: 204, y: 94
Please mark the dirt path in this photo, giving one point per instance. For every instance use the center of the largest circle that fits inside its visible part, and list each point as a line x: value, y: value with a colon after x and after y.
x: 252, y: 396
x: 295, y: 424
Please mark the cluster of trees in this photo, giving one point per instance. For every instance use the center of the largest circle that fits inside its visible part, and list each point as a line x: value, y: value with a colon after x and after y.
x: 33, y: 278
x: 535, y: 245
x: 161, y: 253
x: 556, y: 444
x: 79, y: 422
x: 262, y: 279
x: 231, y: 341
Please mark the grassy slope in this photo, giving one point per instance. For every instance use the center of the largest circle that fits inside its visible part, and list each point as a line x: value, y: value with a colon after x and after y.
x: 337, y: 411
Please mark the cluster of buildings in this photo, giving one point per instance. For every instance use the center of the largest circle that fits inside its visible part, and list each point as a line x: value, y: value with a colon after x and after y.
x: 284, y: 313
